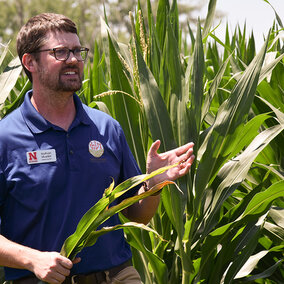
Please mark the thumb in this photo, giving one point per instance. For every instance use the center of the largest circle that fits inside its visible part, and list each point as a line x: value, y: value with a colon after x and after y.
x: 154, y: 148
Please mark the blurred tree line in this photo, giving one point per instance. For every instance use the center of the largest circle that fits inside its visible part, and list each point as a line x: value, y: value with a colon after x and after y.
x: 86, y: 14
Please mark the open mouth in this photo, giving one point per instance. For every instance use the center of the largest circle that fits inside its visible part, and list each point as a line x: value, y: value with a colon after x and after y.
x: 71, y: 74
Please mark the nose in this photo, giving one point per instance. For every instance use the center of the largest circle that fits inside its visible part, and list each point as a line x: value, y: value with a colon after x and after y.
x: 71, y: 58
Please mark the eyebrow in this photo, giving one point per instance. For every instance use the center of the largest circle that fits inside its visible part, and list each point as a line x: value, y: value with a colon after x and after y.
x: 63, y: 46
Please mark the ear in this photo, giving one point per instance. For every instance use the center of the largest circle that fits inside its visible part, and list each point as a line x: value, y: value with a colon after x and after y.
x: 29, y: 62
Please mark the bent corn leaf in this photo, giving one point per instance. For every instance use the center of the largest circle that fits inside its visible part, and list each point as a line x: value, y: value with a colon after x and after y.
x: 92, y: 239
x: 100, y: 212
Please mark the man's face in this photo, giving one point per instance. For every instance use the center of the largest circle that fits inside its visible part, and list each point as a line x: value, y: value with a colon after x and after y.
x: 55, y: 75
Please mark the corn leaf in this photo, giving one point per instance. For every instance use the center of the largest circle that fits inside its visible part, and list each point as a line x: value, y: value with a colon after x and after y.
x: 210, y: 17
x: 257, y: 207
x: 231, y: 115
x: 234, y: 172
x: 94, y: 235
x: 277, y: 214
x: 276, y: 232
x: 162, y: 14
x: 238, y: 242
x: 136, y: 241
x: 154, y: 106
x: 100, y: 213
x: 127, y: 109
x: 79, y: 240
x: 4, y: 53
x: 196, y: 90
x: 242, y: 260
x: 9, y: 78
x: 266, y: 273
x: 213, y: 88
x: 263, y: 200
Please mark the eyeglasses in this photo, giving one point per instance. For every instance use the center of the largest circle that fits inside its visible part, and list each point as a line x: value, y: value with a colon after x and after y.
x: 63, y: 53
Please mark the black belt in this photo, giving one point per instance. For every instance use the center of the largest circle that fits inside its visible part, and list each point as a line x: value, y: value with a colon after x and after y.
x: 92, y: 278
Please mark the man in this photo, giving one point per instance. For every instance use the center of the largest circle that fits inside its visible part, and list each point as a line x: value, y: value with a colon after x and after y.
x: 57, y: 156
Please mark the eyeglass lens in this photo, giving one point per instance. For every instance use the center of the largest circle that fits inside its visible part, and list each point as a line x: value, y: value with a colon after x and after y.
x: 64, y: 53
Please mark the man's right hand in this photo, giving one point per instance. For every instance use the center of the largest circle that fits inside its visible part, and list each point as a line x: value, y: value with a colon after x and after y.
x: 51, y: 267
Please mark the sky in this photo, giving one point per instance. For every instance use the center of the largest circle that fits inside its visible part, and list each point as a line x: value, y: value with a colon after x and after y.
x: 257, y: 14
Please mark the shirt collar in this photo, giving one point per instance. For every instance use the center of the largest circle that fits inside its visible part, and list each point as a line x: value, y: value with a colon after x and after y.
x: 38, y: 124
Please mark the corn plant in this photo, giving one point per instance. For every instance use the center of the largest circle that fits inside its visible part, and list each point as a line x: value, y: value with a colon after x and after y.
x: 86, y: 233
x: 228, y: 223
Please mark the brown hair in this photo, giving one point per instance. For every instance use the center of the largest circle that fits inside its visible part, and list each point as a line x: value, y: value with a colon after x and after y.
x: 31, y: 36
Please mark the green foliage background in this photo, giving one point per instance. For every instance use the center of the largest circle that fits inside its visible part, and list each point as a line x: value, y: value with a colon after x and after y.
x: 85, y: 13
x: 228, y: 225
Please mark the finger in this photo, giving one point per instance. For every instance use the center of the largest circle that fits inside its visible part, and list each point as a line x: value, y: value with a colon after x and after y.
x: 189, y: 161
x: 185, y: 167
x: 183, y: 158
x: 65, y: 262
x: 182, y: 149
x: 62, y: 270
x: 76, y: 260
x: 56, y: 280
x: 154, y: 148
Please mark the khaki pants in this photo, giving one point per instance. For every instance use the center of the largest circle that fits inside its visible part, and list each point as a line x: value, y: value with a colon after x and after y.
x: 128, y: 275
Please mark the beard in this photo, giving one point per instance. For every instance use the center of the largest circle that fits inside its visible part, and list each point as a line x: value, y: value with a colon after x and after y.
x: 61, y: 82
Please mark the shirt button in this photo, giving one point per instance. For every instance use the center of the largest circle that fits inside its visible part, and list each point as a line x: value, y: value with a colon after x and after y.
x: 67, y: 135
x: 71, y: 152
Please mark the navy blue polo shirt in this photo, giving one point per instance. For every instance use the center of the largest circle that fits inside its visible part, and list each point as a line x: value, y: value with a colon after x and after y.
x: 50, y: 177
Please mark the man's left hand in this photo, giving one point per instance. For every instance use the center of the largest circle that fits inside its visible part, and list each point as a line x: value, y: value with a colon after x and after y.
x: 182, y: 155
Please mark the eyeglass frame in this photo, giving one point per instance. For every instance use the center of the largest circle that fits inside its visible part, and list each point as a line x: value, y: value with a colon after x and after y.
x: 68, y: 53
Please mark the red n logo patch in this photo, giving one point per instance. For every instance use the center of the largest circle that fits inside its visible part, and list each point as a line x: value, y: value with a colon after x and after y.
x: 32, y: 156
